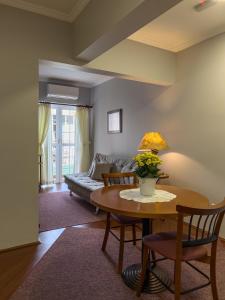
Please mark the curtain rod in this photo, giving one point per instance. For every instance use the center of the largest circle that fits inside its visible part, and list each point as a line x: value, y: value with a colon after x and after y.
x: 77, y: 105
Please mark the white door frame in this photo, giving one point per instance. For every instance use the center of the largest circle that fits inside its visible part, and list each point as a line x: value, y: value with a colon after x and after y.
x: 59, y: 144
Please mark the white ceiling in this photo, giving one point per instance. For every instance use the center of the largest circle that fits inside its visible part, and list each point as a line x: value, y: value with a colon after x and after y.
x: 81, y: 77
x: 65, y: 10
x: 182, y: 26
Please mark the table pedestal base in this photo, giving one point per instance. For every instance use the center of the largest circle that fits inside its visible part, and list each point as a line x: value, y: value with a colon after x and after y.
x: 131, y: 277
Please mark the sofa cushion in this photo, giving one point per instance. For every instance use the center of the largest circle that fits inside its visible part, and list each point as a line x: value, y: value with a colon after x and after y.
x: 129, y: 167
x: 118, y: 163
x: 83, y: 184
x: 99, y: 169
x: 99, y: 158
x: 86, y: 182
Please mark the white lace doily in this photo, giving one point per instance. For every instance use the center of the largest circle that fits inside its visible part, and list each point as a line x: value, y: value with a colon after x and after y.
x: 159, y: 196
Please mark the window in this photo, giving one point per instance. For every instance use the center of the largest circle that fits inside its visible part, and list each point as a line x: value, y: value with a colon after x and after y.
x: 62, y: 141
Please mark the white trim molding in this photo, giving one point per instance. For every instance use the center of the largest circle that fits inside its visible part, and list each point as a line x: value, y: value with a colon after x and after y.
x: 77, y: 9
x: 48, y: 12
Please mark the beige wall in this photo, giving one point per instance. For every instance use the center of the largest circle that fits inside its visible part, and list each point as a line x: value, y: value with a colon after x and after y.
x: 134, y: 98
x: 25, y: 38
x: 99, y: 17
x: 105, y: 23
x: 190, y: 114
x: 138, y: 61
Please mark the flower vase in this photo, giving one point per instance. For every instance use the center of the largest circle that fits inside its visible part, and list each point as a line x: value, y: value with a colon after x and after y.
x: 147, y: 186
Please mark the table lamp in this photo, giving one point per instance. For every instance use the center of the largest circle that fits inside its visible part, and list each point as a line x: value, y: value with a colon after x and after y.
x: 152, y: 141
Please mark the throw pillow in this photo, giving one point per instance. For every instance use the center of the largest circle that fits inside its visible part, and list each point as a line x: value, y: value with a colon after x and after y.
x: 100, y: 168
x: 129, y: 167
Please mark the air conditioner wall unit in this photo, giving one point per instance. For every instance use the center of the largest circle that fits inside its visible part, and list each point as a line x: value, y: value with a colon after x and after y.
x: 62, y: 91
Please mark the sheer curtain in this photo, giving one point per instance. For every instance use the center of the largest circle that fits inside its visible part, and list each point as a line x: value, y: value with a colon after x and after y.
x: 52, y: 148
x: 82, y: 144
x: 47, y: 177
x: 44, y: 113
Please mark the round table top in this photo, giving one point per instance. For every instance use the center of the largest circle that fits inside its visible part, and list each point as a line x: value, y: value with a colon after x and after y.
x: 108, y: 199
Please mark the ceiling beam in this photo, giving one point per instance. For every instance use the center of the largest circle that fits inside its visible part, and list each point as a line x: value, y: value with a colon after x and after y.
x: 136, y: 61
x: 105, y: 23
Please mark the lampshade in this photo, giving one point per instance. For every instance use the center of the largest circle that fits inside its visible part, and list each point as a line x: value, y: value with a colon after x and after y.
x: 152, y: 141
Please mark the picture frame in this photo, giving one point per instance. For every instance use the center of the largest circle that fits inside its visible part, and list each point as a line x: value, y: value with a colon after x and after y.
x: 114, y: 121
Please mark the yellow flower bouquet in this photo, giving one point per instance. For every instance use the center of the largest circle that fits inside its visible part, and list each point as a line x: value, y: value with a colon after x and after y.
x: 147, y: 165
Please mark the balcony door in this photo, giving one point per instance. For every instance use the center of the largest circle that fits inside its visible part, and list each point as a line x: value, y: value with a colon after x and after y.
x: 62, y: 141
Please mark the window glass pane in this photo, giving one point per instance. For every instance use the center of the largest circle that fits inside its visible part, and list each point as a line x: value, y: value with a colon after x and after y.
x: 68, y: 136
x: 68, y: 126
x: 67, y: 160
x: 53, y: 124
x: 62, y: 142
x: 67, y: 120
x: 54, y: 162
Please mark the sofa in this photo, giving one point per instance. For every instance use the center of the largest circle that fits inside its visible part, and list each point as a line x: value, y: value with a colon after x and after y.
x: 83, y: 184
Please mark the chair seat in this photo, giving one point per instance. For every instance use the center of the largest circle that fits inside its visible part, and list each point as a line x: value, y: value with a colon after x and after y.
x: 125, y: 220
x: 164, y: 243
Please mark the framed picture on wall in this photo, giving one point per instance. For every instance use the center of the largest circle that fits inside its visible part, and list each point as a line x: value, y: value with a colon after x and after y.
x: 114, y: 121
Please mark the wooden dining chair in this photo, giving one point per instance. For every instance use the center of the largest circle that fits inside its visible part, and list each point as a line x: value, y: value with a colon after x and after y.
x: 123, y: 221
x: 180, y: 247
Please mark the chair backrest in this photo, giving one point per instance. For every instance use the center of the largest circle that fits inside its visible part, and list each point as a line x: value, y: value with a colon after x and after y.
x: 119, y: 178
x: 205, y: 222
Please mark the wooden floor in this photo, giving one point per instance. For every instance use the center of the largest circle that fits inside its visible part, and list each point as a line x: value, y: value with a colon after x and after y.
x: 16, y: 264
x: 59, y: 187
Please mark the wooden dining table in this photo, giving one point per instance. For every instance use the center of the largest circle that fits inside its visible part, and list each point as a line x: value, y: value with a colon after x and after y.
x: 109, y: 200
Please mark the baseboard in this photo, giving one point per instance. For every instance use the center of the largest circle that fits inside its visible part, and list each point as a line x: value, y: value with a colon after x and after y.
x: 19, y: 247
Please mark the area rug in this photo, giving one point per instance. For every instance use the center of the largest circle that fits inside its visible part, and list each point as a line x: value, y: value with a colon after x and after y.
x: 76, y: 269
x: 59, y: 209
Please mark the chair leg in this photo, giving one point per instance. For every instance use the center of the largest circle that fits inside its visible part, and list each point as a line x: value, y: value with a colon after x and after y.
x: 134, y: 234
x: 213, y: 272
x: 107, y: 229
x: 177, y: 276
x: 122, y: 238
x: 143, y: 270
